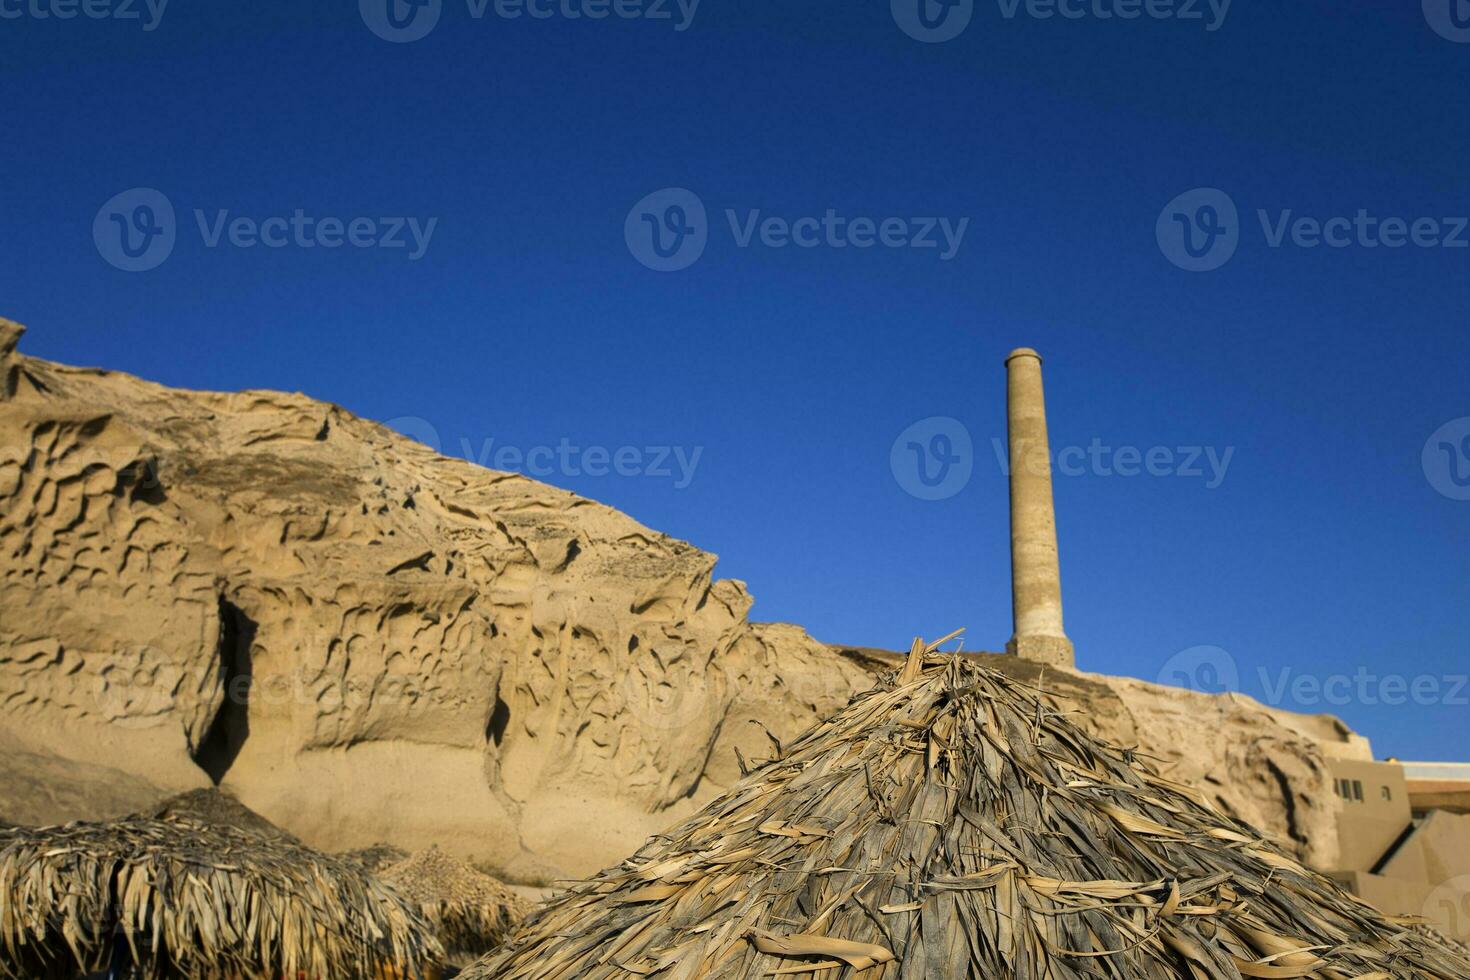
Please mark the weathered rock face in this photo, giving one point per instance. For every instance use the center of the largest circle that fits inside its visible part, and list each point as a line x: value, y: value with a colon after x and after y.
x: 1263, y: 766
x: 365, y: 642
x: 362, y: 640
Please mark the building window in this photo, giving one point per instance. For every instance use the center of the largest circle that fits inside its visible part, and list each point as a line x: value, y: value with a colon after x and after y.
x: 1358, y: 790
x: 1387, y: 793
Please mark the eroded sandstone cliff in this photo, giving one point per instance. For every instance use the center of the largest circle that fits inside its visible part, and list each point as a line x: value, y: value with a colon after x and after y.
x: 365, y: 641
x: 361, y: 639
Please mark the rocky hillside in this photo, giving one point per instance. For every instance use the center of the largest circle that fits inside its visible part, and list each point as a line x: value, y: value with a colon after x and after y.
x: 365, y: 641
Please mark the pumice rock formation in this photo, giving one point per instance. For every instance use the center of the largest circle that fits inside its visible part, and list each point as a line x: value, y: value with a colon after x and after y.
x: 362, y: 640
x: 366, y: 642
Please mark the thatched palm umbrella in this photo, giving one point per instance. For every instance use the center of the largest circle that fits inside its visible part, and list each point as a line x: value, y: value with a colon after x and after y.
x: 470, y: 911
x: 950, y: 824
x: 196, y: 900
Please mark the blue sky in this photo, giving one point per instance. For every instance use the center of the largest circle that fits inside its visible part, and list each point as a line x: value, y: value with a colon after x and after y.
x: 1322, y: 558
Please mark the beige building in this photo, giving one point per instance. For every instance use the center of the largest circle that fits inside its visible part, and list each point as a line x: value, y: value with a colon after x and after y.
x: 1404, y: 838
x: 1438, y: 786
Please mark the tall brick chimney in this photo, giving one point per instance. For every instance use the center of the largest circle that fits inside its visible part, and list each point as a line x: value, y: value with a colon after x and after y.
x: 1036, y: 579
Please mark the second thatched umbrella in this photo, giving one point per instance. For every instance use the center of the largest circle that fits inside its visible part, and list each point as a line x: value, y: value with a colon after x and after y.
x: 189, y: 899
x: 471, y: 911
x: 951, y: 825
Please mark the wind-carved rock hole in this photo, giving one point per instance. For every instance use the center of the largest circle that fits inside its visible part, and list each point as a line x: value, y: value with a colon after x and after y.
x: 499, y: 722
x: 140, y: 482
x: 230, y: 728
x: 573, y: 550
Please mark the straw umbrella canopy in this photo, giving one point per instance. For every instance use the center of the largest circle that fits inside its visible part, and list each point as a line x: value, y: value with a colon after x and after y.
x: 951, y: 824
x: 196, y: 900
x: 470, y: 911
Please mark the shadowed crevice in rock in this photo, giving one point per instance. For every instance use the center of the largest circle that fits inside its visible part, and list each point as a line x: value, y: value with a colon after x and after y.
x: 1288, y: 801
x: 499, y: 722
x: 231, y: 726
x: 140, y: 482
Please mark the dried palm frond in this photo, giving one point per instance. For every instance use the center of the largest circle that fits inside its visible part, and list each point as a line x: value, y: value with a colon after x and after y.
x: 470, y: 911
x: 196, y: 900
x: 952, y: 824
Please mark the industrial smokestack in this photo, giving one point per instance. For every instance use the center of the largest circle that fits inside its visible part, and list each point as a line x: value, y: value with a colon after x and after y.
x: 1036, y: 578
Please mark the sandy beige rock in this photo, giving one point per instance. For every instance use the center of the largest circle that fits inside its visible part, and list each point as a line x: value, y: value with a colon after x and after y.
x: 360, y: 639
x: 41, y: 788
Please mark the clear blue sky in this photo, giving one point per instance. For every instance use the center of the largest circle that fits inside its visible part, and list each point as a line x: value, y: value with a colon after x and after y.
x: 1325, y: 550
